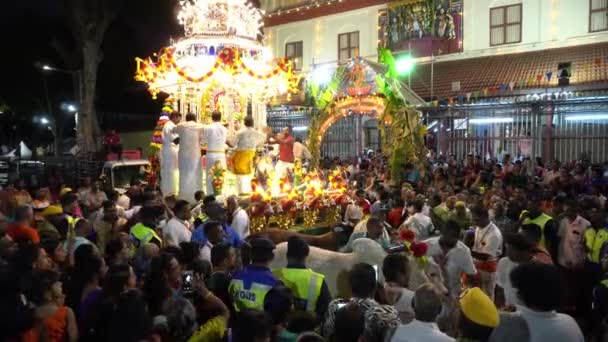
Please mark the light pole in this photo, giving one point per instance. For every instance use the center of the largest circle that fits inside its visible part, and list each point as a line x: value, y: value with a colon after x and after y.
x: 76, y: 76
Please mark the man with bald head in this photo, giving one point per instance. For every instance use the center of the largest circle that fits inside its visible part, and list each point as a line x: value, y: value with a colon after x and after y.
x: 427, y: 306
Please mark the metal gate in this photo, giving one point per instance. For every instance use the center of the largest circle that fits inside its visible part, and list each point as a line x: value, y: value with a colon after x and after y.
x: 562, y: 130
x: 344, y: 139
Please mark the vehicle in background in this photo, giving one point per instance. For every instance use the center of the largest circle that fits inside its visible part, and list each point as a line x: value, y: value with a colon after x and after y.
x: 119, y: 174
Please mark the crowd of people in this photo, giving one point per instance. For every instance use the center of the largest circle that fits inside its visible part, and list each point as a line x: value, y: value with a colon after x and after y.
x: 521, y: 248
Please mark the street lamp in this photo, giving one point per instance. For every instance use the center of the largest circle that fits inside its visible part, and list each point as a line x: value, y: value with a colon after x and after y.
x: 71, y: 108
x: 44, y: 121
x: 46, y: 67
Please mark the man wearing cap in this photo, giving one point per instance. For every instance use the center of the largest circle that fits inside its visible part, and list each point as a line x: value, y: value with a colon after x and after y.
x: 47, y: 226
x: 478, y: 315
x: 487, y: 248
x: 108, y: 225
x: 427, y: 306
x: 309, y: 288
x: 249, y: 287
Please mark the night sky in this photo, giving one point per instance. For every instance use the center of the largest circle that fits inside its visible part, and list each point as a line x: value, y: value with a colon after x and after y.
x: 29, y: 27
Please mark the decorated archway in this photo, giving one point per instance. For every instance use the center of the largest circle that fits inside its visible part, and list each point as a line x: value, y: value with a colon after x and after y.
x: 362, y: 87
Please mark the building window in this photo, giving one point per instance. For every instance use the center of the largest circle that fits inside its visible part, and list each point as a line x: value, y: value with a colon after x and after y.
x: 293, y: 52
x: 348, y: 46
x: 505, y: 25
x: 598, y: 15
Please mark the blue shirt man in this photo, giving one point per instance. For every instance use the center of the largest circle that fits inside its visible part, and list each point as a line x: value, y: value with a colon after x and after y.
x: 216, y: 212
x: 232, y: 237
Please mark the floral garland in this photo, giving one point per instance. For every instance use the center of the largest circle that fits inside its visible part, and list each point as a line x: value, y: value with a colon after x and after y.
x: 217, y: 175
x: 418, y: 249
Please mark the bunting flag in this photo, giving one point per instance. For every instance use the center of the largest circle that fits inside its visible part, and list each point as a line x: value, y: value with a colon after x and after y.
x: 586, y: 67
x: 539, y: 78
x: 598, y: 61
x: 475, y: 94
x: 459, y: 98
x: 451, y: 100
x: 485, y: 91
x: 511, y: 85
x: 531, y: 80
x: 521, y: 84
x: 435, y: 103
x: 469, y: 97
x: 503, y: 87
x: 549, y: 75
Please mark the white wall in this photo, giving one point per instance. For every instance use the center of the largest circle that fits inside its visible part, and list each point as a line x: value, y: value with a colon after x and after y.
x: 545, y: 24
x: 320, y: 35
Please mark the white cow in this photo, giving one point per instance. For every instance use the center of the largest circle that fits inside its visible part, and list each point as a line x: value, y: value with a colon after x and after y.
x: 335, y: 265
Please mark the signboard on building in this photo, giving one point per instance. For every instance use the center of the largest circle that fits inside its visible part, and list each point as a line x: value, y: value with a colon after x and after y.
x: 422, y: 27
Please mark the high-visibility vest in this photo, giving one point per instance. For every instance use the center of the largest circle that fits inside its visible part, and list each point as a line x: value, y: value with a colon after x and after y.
x: 305, y: 284
x: 141, y: 235
x: 541, y: 221
x: 248, y: 298
x: 72, y: 221
x: 594, y: 241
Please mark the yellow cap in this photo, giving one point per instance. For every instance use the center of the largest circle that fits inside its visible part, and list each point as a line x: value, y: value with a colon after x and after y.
x: 479, y: 308
x: 460, y: 204
x: 65, y: 191
x: 52, y: 210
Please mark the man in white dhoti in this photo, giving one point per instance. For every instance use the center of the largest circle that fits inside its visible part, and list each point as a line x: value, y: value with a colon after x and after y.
x: 169, y: 171
x: 214, y: 136
x: 246, y: 142
x: 189, y: 158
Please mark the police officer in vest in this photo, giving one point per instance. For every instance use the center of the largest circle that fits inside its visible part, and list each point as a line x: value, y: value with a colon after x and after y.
x: 249, y: 287
x: 548, y: 227
x: 309, y: 288
x: 145, y: 231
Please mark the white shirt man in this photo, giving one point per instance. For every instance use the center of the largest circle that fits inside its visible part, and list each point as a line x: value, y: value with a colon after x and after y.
x: 206, y: 251
x: 456, y: 261
x: 176, y: 231
x: 550, y: 326
x: 416, y: 331
x: 503, y: 272
x: 169, y: 165
x: 488, y: 240
x: 214, y: 136
x: 246, y: 142
x: 353, y: 214
x: 189, y: 158
x: 300, y: 151
x: 420, y: 224
x: 240, y: 222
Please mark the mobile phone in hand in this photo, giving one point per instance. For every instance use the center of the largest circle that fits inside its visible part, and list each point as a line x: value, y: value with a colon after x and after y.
x: 187, y: 278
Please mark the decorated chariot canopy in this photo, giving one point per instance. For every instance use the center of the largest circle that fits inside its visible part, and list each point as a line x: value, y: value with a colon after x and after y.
x: 358, y: 92
x: 222, y: 49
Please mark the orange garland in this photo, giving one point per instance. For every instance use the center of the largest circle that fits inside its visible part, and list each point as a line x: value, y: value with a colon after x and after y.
x: 143, y: 74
